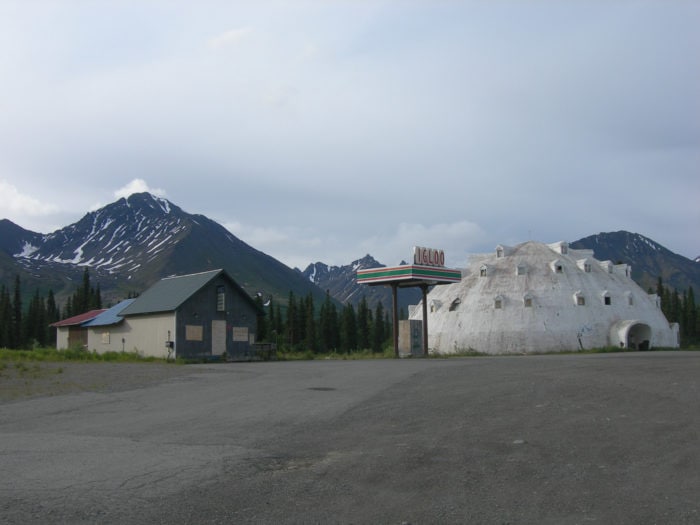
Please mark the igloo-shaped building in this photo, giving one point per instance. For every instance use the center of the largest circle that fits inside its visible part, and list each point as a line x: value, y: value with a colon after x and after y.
x: 538, y: 297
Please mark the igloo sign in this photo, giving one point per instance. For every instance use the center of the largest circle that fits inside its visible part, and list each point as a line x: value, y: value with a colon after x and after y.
x: 428, y: 256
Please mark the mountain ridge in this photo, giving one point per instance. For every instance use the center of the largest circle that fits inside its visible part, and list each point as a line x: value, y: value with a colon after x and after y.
x: 649, y: 259
x: 133, y: 242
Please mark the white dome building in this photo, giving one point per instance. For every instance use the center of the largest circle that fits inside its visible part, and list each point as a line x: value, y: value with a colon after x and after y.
x: 543, y: 298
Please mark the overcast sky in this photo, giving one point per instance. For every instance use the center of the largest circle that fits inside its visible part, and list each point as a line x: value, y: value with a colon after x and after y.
x: 326, y: 130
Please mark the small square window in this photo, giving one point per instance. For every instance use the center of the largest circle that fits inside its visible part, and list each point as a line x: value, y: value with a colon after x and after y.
x: 559, y: 268
x: 580, y: 300
x: 498, y: 304
x: 528, y: 302
x: 607, y: 300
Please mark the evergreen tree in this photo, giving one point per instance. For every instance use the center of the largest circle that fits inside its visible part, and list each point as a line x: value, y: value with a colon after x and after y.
x: 675, y: 311
x: 35, y: 328
x: 378, y: 332
x: 348, y: 329
x: 690, y: 316
x: 279, y: 321
x: 96, y: 298
x: 16, y: 336
x: 328, y: 321
x: 292, y: 320
x: 52, y: 315
x: 68, y: 308
x: 310, y: 335
x: 301, y: 321
x: 363, y: 327
x: 5, y: 318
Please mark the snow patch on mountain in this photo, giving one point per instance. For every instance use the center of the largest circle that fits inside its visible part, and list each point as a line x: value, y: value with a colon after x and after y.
x: 27, y: 250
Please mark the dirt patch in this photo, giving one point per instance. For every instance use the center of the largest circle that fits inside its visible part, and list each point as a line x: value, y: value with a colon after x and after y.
x: 22, y: 380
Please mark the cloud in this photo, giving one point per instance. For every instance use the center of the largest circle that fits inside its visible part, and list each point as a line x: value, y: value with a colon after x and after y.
x: 229, y: 38
x: 290, y: 245
x: 456, y: 239
x: 18, y: 203
x: 137, y: 186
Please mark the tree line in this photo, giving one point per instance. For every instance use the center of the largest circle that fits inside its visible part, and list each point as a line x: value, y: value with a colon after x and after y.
x: 329, y: 329
x: 26, y: 327
x: 681, y: 308
x: 301, y: 327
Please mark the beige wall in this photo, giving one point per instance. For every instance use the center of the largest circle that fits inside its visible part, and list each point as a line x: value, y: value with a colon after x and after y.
x: 62, y: 337
x: 145, y: 334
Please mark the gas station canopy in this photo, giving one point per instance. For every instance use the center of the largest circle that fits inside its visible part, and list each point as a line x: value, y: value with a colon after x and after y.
x: 428, y: 270
x: 408, y: 275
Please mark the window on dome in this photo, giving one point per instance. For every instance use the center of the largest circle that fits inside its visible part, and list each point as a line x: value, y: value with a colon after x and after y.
x: 579, y: 299
x: 498, y: 302
x: 521, y: 269
x: 527, y: 302
x: 455, y: 304
x: 483, y: 271
x: 557, y: 266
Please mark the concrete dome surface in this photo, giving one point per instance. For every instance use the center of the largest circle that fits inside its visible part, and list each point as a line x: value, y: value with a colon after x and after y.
x: 538, y: 297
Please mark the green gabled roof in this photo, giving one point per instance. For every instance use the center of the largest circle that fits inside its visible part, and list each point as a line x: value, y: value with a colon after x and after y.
x: 169, y: 293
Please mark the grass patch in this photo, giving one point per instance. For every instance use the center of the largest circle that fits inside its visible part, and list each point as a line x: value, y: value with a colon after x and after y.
x: 74, y: 355
x: 308, y: 355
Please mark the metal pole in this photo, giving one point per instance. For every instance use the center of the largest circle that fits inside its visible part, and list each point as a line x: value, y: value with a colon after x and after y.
x: 424, y: 288
x: 395, y: 308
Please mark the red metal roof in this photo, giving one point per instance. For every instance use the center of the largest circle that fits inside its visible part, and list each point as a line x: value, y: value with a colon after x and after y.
x: 79, y: 319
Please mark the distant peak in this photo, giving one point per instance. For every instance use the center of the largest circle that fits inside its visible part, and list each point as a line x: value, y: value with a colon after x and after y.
x: 145, y: 199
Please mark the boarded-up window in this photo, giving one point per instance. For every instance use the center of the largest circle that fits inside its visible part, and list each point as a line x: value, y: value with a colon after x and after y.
x: 240, y: 333
x: 194, y: 332
x: 220, y: 299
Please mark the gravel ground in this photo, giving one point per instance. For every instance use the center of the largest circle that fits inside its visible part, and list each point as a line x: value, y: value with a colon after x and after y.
x: 572, y: 439
x: 24, y: 380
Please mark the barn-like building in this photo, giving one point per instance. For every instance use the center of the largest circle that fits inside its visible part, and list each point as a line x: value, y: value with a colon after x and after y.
x: 538, y: 297
x: 203, y: 315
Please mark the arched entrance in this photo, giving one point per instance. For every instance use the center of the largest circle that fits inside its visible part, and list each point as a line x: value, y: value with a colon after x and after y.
x: 635, y: 335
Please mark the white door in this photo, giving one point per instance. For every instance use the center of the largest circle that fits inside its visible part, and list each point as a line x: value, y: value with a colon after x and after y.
x: 218, y: 338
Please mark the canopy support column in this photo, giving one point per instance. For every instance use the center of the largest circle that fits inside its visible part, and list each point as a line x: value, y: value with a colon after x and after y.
x: 395, y: 310
x: 424, y: 289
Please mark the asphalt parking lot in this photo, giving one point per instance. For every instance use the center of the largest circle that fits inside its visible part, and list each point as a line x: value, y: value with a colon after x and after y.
x: 599, y: 438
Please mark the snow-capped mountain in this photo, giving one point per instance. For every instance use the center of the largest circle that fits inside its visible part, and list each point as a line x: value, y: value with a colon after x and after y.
x: 135, y: 241
x: 649, y: 259
x: 119, y: 238
x: 341, y: 283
